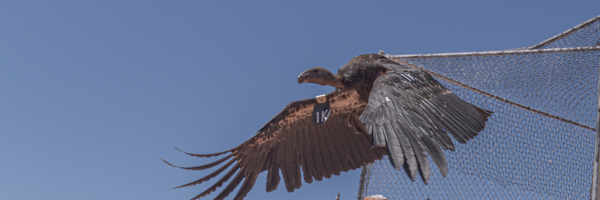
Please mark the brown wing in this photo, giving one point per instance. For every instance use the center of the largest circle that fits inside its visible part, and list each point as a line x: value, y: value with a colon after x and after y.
x: 291, y: 142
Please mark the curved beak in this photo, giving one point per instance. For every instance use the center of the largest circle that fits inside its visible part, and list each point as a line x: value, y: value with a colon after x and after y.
x: 302, y: 77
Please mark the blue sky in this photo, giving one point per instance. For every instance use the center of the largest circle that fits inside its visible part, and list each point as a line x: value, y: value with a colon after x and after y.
x: 93, y: 94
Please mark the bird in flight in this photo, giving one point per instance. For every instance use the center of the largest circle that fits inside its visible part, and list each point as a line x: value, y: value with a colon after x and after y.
x: 378, y: 108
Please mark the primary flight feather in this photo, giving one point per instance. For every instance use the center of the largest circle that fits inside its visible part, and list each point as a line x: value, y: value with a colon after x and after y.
x: 378, y: 108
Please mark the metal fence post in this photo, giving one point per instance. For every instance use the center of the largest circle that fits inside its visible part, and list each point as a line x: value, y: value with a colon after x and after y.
x: 362, y: 183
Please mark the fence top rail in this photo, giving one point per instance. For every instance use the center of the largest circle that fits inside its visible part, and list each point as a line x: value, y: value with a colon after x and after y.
x: 495, y: 53
x: 563, y: 34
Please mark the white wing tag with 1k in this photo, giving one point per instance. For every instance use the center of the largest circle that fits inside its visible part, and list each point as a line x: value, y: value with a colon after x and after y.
x: 321, y: 110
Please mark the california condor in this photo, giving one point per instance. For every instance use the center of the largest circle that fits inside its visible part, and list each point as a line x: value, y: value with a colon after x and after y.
x: 378, y: 108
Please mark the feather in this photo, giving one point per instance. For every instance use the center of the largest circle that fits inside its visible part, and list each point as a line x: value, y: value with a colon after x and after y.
x: 409, y: 154
x: 437, y: 155
x: 324, y: 151
x: 379, y: 116
x: 273, y: 173
x: 358, y: 125
x: 421, y: 155
x: 286, y: 161
x: 460, y: 115
x: 366, y: 116
x: 336, y: 141
x: 451, y: 118
x: 251, y: 173
x: 469, y: 109
x: 369, y: 128
x: 447, y: 124
x: 333, y: 154
x: 366, y: 146
x: 249, y: 164
x: 470, y: 112
x: 319, y: 171
x: 292, y: 161
x: 378, y: 136
x: 308, y: 163
x: 395, y: 153
x: 208, y: 177
x: 356, y: 148
x: 348, y: 158
x: 439, y: 134
x: 220, y: 182
x: 203, y: 166
x: 229, y: 188
x: 484, y: 113
x: 386, y: 116
x: 246, y: 186
x: 298, y: 145
x: 208, y: 155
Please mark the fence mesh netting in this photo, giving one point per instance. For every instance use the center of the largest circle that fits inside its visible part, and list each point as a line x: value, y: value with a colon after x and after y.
x: 538, y: 144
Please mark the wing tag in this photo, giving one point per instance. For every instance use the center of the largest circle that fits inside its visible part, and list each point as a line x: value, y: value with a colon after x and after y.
x: 321, y: 110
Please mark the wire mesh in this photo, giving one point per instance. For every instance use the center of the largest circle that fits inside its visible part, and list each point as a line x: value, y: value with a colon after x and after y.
x: 583, y: 35
x: 538, y: 144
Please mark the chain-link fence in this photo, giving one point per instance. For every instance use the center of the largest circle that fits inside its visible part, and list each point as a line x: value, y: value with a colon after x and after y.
x: 540, y: 141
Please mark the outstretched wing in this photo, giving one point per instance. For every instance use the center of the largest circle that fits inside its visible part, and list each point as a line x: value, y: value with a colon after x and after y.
x: 412, y: 114
x: 291, y: 142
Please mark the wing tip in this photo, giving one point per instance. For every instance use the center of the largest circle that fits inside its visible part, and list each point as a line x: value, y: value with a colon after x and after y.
x: 172, y: 165
x: 168, y: 163
x: 484, y: 113
x: 205, y: 155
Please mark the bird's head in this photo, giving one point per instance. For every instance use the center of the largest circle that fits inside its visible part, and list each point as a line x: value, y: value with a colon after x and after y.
x: 320, y: 76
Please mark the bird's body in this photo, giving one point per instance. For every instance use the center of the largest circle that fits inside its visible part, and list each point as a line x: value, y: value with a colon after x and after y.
x: 404, y: 113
